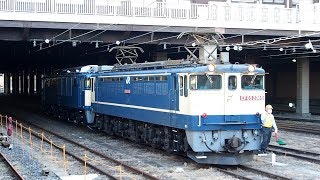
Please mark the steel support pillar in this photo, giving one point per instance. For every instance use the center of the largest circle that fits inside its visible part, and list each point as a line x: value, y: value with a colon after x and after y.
x: 39, y: 83
x: 303, y: 86
x: 31, y: 83
x: 6, y: 83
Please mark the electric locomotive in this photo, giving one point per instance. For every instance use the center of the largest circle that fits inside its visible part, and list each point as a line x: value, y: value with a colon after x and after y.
x: 67, y: 93
x: 208, y: 111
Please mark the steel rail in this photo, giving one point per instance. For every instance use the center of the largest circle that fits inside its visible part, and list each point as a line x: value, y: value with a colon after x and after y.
x: 300, y: 123
x: 132, y: 169
x: 228, y: 170
x: 14, y: 170
x: 299, y: 126
x: 258, y: 171
x: 295, y: 150
x: 294, y: 119
x: 92, y: 166
x: 286, y: 153
x: 233, y: 174
x: 299, y: 130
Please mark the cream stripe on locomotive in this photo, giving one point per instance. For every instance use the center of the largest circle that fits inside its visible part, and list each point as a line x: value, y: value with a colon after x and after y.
x: 134, y: 75
x: 136, y: 107
x: 200, y: 109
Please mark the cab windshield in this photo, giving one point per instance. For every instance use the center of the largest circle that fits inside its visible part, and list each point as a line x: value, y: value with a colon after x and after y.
x: 205, y: 81
x: 252, y: 82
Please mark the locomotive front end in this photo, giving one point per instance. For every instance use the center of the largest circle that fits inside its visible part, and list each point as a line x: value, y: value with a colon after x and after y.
x: 224, y: 107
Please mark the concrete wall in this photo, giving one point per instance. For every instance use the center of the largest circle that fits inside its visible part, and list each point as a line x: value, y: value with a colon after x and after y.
x: 286, y: 84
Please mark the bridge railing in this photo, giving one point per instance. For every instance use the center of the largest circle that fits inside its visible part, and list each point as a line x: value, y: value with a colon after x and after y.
x: 221, y: 13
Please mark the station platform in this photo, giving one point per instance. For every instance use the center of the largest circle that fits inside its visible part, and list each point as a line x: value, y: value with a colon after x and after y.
x: 296, y: 117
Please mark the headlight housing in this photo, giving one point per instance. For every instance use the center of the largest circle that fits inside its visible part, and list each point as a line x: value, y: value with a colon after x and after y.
x: 211, y: 67
x: 251, y: 68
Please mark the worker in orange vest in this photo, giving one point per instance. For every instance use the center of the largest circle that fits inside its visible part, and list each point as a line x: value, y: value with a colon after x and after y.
x: 268, y: 122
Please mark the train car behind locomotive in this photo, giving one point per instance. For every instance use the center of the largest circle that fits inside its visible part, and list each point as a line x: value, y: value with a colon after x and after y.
x: 208, y: 111
x: 67, y: 94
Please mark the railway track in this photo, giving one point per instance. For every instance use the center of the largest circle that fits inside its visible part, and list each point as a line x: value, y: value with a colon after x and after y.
x: 13, y: 171
x: 107, y: 160
x: 300, y: 154
x: 248, y: 173
x: 299, y: 127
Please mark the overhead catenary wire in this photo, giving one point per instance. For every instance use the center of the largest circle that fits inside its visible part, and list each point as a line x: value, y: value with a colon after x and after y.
x: 74, y: 37
x: 273, y: 44
x: 248, y: 33
x: 141, y: 35
x: 272, y: 41
x: 269, y: 41
x: 146, y: 42
x: 295, y: 42
x: 62, y: 41
x: 299, y: 57
x: 156, y: 40
x: 59, y: 34
x: 64, y: 31
x: 277, y: 55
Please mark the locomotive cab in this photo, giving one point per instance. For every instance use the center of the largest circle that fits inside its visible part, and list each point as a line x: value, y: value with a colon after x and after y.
x: 224, y: 103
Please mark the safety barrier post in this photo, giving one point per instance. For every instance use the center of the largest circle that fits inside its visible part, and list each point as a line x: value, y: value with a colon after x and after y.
x: 6, y: 121
x: 51, y: 149
x: 120, y: 174
x: 21, y: 137
x: 85, y: 166
x: 64, y: 159
x: 1, y: 124
x: 1, y: 120
x: 30, y: 143
x: 16, y: 136
x: 41, y: 145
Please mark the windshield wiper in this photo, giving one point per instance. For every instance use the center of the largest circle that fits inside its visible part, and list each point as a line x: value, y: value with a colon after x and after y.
x: 252, y: 80
x: 209, y: 78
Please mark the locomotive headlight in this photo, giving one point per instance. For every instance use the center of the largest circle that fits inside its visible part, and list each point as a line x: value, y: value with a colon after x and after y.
x: 245, y: 134
x: 251, y: 68
x: 255, y: 132
x: 211, y: 67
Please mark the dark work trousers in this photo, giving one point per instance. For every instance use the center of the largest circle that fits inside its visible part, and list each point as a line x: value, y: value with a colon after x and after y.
x: 266, y: 136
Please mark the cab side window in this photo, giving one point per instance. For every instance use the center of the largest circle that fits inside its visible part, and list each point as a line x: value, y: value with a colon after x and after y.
x: 185, y: 86
x: 232, y: 83
x: 181, y: 85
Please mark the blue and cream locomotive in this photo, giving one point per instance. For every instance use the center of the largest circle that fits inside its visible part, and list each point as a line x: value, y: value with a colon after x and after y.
x: 208, y: 111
